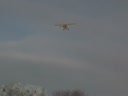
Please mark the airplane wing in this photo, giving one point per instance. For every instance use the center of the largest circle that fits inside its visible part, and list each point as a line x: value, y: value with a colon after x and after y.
x: 59, y: 24
x: 71, y: 23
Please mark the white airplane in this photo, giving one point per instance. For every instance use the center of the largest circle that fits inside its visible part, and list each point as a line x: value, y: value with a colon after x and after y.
x: 65, y: 26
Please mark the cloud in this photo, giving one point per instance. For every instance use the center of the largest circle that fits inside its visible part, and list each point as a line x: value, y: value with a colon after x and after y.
x: 39, y: 49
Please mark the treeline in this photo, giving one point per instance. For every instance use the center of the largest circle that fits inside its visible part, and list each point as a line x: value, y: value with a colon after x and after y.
x: 18, y: 89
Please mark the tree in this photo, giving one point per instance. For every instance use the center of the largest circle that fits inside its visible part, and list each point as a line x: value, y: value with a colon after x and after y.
x: 77, y: 93
x: 68, y: 93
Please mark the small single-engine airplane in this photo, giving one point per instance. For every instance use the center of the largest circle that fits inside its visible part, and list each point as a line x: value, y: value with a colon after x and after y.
x: 65, y: 26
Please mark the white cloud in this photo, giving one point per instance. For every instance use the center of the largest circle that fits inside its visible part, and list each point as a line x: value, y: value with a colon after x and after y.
x: 39, y: 49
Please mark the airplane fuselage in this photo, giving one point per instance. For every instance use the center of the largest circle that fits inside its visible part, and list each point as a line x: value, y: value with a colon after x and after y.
x: 65, y: 27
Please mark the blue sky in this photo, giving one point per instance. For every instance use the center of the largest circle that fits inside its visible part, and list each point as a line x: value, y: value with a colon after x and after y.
x: 91, y: 56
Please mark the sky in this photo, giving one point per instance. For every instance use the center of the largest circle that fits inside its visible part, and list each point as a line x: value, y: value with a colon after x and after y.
x: 92, y: 56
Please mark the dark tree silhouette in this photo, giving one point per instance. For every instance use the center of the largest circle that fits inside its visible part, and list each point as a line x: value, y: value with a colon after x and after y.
x: 77, y: 93
x: 68, y: 93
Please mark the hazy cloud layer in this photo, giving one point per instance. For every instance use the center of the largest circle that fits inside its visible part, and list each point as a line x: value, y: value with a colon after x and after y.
x: 91, y: 56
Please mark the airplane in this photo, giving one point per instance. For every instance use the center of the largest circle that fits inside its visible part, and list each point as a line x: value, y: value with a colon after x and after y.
x: 65, y: 26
